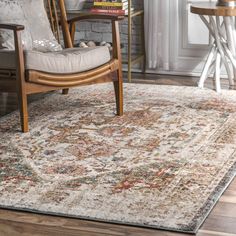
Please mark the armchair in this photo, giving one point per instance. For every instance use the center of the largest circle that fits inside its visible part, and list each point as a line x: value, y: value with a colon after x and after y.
x: 25, y: 70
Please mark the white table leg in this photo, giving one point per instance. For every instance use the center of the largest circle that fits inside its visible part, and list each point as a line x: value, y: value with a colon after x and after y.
x: 220, y: 36
x: 207, y: 66
x: 222, y: 52
x: 230, y: 55
x: 229, y: 28
x: 230, y: 32
x: 217, y: 73
x: 212, y: 67
x: 234, y: 43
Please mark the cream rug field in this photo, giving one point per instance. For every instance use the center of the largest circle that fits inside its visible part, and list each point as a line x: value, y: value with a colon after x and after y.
x: 164, y: 164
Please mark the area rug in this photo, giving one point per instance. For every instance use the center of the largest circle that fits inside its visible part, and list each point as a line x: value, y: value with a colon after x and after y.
x: 164, y: 164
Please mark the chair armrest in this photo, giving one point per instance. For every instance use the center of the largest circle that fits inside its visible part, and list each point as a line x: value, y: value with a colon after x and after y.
x: 20, y: 67
x: 96, y: 17
x: 17, y: 35
x: 115, y: 29
x: 12, y: 27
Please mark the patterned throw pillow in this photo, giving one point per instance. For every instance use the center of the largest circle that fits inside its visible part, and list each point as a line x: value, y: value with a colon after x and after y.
x: 30, y: 13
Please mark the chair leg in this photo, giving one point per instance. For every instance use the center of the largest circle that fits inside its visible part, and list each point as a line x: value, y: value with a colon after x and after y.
x: 65, y: 91
x: 118, y: 86
x: 23, y: 107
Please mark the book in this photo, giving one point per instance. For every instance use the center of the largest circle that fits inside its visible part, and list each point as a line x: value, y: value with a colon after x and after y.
x: 109, y: 11
x: 118, y: 7
x: 111, y: 1
x: 110, y: 4
x: 112, y: 8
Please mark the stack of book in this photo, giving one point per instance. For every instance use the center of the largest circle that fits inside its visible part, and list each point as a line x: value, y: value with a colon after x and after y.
x: 117, y: 7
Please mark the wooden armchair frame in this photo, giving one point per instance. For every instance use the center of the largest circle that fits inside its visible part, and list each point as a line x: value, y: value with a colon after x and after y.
x: 20, y: 80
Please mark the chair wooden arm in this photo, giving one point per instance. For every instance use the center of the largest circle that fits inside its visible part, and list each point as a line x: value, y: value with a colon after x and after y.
x: 12, y: 27
x: 96, y: 17
x: 115, y: 29
x: 18, y: 44
x: 20, y: 69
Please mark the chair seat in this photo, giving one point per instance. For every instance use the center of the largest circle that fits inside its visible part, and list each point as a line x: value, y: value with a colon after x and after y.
x: 71, y: 60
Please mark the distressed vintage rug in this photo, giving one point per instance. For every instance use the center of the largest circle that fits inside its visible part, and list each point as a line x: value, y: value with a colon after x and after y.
x: 164, y: 164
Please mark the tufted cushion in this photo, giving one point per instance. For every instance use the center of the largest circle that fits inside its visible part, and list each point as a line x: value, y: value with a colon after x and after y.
x: 70, y: 60
x: 30, y: 13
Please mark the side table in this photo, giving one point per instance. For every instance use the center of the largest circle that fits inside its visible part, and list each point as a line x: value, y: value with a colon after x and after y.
x: 221, y: 24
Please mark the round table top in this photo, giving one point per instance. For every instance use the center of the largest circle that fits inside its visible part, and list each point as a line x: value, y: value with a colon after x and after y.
x: 210, y: 9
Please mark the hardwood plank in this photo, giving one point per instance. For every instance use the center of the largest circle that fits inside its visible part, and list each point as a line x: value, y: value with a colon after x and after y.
x: 220, y: 224
x: 224, y: 209
x: 14, y: 229
x: 229, y: 197
x: 54, y: 224
x: 213, y: 233
x: 232, y: 187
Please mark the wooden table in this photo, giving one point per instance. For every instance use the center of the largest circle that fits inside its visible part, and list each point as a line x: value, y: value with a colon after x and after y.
x: 221, y: 24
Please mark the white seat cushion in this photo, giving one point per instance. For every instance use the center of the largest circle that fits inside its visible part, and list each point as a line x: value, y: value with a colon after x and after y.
x: 67, y: 61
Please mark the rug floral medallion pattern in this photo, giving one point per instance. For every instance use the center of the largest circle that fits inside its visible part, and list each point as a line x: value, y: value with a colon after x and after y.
x: 164, y: 164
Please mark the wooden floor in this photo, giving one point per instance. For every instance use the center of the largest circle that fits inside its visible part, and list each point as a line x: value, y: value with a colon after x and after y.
x: 221, y: 221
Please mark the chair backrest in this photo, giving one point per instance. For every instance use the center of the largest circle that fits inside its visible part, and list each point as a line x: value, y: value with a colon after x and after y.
x: 51, y: 7
x: 58, y: 18
x: 38, y: 35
